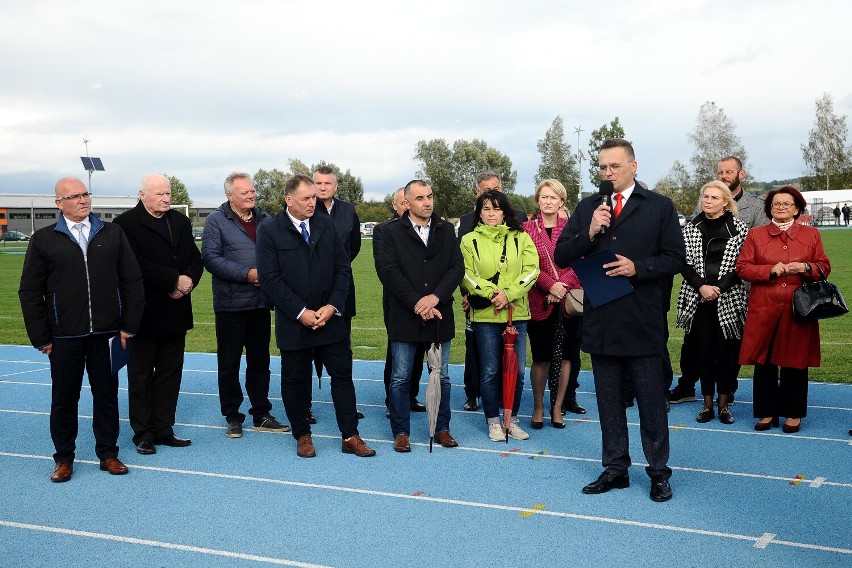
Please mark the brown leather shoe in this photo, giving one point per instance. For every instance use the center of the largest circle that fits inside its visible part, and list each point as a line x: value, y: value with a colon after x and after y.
x: 305, y: 447
x: 445, y: 439
x: 113, y: 466
x: 62, y: 472
x: 401, y: 444
x: 355, y: 445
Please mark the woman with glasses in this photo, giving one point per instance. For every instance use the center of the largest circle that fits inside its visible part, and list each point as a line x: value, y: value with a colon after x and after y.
x: 500, y: 267
x: 711, y: 305
x: 776, y: 259
x: 546, y: 308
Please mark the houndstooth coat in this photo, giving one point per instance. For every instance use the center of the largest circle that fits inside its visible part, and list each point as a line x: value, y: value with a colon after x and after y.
x: 731, y: 306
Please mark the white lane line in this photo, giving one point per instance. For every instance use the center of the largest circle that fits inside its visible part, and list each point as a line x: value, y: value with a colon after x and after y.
x: 476, y: 504
x: 23, y: 362
x: 160, y: 544
x: 818, y: 481
x: 24, y: 373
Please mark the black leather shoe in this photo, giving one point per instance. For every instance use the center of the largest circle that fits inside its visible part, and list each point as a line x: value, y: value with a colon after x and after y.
x: 470, y: 404
x: 358, y: 414
x: 417, y: 407
x: 660, y: 489
x: 172, y: 441
x: 535, y: 425
x: 607, y: 480
x: 146, y: 447
x: 311, y: 418
x: 572, y: 406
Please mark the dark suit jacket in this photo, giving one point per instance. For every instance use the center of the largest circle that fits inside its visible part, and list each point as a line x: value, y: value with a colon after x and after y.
x: 647, y: 232
x: 349, y: 226
x: 294, y: 275
x: 162, y: 260
x: 411, y: 270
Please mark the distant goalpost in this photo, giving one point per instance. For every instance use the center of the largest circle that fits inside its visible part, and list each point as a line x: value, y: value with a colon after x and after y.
x: 183, y: 208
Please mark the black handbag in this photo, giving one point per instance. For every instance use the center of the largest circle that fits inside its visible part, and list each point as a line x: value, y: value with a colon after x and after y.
x: 818, y: 300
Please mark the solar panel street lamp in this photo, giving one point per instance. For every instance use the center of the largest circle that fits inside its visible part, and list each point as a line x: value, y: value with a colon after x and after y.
x: 91, y: 164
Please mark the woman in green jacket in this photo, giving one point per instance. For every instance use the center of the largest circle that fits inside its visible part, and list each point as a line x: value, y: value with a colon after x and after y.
x: 501, y: 265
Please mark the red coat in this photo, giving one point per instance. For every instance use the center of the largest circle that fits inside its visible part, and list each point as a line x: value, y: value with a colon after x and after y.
x: 770, y: 302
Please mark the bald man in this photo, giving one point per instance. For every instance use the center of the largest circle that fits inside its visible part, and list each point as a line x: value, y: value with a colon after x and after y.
x: 161, y: 238
x: 74, y: 272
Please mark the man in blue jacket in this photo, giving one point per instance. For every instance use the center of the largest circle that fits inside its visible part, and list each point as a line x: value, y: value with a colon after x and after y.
x: 626, y: 337
x: 80, y: 287
x: 242, y: 318
x: 304, y: 270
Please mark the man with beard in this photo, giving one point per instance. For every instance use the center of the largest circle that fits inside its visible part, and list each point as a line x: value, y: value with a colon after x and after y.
x: 749, y: 211
x: 421, y: 265
x: 400, y: 206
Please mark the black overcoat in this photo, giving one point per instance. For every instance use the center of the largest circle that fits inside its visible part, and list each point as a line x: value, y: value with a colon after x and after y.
x: 411, y: 270
x: 647, y: 232
x: 162, y: 260
x: 294, y: 275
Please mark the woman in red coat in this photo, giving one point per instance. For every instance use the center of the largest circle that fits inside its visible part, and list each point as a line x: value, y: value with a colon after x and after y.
x: 776, y: 258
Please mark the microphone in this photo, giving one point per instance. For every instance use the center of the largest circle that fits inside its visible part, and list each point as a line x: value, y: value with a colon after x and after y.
x: 605, y: 189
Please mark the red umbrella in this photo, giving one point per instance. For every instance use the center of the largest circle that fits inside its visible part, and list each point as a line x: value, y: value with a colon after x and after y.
x: 510, y: 371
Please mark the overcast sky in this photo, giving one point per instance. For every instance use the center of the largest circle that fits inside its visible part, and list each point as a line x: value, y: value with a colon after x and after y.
x: 198, y: 89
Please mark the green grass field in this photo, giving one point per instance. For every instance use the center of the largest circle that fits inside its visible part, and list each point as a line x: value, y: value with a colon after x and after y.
x: 369, y: 340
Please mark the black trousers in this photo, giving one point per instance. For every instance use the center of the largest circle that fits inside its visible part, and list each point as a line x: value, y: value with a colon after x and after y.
x: 413, y: 380
x: 235, y: 330
x: 68, y: 360
x: 690, y: 365
x: 717, y: 360
x: 783, y: 393
x: 153, y: 375
x: 296, y: 379
x: 318, y: 359
x: 645, y: 380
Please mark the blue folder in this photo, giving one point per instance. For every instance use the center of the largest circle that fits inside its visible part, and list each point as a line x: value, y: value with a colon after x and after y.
x: 599, y: 288
x: 118, y: 357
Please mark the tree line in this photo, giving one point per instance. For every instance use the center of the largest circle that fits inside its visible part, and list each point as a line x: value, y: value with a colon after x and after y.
x: 451, y: 169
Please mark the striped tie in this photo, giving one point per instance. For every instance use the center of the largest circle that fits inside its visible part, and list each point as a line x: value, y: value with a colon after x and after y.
x: 81, y: 238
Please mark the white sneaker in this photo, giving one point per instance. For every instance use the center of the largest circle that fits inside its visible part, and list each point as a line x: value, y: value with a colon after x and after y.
x: 496, y: 433
x: 516, y: 432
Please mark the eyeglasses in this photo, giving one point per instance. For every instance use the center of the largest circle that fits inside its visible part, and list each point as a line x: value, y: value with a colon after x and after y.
x: 75, y: 197
x: 614, y: 168
x: 711, y: 198
x: 782, y: 205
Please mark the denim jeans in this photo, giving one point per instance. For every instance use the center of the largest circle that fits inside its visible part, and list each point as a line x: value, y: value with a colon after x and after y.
x: 489, y: 341
x: 400, y: 403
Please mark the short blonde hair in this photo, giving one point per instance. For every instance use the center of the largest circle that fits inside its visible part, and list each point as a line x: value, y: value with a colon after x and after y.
x: 555, y: 185
x: 731, y: 205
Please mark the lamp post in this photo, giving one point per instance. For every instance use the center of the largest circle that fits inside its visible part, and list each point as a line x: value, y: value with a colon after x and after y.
x: 577, y: 131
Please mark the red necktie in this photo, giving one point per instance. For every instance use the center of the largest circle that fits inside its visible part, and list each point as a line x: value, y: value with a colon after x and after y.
x: 617, y: 210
